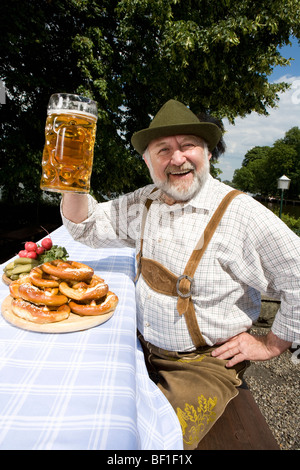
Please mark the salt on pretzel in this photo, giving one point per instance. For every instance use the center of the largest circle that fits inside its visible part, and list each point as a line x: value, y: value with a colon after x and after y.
x: 95, y: 307
x: 34, y: 294
x: 68, y: 270
x: 39, y: 314
x: 40, y: 279
x: 82, y: 291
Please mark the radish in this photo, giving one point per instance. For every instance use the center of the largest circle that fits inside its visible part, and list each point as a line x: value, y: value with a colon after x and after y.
x: 30, y: 246
x: 32, y: 255
x: 23, y: 253
x: 46, y: 243
x: 40, y: 250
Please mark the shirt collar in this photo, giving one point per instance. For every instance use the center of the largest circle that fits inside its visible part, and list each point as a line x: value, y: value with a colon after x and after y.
x: 202, y: 200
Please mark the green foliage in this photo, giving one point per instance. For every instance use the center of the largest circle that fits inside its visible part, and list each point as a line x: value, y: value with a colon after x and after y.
x: 214, y: 171
x: 290, y: 221
x: 131, y: 56
x: 262, y: 166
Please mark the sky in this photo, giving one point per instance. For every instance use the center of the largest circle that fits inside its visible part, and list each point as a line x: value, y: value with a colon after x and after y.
x: 255, y: 130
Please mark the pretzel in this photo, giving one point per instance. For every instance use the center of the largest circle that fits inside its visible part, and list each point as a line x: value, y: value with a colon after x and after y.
x: 39, y: 314
x: 14, y: 286
x: 49, y: 297
x: 68, y: 270
x: 82, y: 291
x: 41, y: 279
x: 95, y: 307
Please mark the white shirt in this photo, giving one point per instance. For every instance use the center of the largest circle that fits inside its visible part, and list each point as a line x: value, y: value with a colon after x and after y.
x: 251, y: 252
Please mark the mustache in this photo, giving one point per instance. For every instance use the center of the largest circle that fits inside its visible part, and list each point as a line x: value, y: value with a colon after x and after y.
x: 187, y: 166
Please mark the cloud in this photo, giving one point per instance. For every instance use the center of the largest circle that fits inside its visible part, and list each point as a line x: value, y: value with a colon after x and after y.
x: 256, y: 130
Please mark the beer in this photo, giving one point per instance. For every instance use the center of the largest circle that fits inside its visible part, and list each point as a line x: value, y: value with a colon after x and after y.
x: 68, y: 151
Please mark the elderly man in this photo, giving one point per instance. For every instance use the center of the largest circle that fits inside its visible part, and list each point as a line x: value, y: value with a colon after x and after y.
x: 204, y: 255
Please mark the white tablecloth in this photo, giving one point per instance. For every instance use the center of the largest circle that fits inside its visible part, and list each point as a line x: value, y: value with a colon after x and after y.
x: 87, y: 389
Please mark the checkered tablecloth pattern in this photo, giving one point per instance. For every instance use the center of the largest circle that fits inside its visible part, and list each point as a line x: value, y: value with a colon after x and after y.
x: 87, y: 389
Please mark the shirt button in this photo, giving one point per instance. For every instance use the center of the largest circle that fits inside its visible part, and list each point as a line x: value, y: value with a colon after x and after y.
x: 147, y: 323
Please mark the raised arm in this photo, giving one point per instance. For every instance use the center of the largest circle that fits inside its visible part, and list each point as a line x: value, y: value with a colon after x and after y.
x: 75, y: 207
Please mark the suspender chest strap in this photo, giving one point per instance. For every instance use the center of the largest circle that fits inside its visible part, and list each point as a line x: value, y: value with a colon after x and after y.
x: 165, y: 282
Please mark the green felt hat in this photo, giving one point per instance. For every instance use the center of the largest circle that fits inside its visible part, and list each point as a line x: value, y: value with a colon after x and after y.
x: 174, y: 118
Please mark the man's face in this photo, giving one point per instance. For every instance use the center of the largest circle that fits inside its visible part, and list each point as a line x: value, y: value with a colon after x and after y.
x: 179, y: 165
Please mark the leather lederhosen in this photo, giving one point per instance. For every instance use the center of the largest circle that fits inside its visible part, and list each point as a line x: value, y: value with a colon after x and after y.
x: 165, y: 282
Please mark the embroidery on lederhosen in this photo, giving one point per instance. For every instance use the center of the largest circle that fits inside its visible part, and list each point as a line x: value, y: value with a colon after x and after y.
x: 193, y: 420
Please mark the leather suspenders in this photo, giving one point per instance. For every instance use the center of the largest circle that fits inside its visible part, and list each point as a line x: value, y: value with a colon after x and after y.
x: 165, y: 282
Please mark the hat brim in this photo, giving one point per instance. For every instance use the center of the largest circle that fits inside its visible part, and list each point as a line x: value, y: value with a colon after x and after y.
x: 207, y: 131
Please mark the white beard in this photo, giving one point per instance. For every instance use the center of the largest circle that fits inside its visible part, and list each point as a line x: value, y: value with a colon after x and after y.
x: 179, y: 192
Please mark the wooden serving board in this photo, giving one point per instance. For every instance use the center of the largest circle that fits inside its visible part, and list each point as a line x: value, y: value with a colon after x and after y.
x: 73, y: 323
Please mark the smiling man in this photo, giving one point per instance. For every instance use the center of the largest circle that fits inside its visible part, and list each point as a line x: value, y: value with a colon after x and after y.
x: 179, y: 166
x: 205, y: 253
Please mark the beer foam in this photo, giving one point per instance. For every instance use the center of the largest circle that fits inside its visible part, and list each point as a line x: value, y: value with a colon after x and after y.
x: 71, y: 111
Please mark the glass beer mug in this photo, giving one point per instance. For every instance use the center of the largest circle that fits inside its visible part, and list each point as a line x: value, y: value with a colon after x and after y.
x: 69, y: 147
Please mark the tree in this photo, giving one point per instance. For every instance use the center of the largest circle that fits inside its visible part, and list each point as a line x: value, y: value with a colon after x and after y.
x: 254, y: 154
x: 262, y: 166
x: 284, y: 159
x: 243, y: 179
x: 131, y: 56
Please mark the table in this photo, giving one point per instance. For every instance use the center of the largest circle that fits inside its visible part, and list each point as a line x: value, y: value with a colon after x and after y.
x: 83, y: 390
